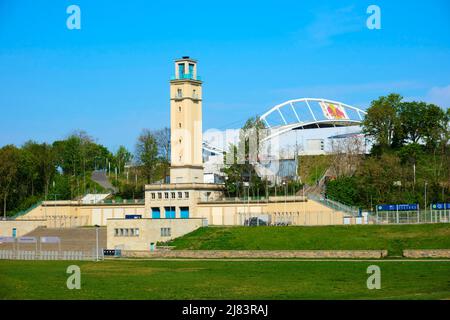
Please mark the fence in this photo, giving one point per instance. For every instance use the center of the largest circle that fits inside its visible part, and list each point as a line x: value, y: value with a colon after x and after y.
x: 50, y: 255
x: 410, y: 217
x: 292, y: 218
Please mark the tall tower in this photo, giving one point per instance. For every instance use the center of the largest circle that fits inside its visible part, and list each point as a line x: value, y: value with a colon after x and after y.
x: 186, y: 123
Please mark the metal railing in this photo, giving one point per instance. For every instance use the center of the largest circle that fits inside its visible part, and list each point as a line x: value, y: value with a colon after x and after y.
x: 252, y: 199
x: 335, y: 205
x: 188, y: 76
x: 410, y: 217
x: 24, y: 212
x: 14, y: 254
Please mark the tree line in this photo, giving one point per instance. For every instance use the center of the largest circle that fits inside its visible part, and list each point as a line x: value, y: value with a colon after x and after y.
x: 409, y: 161
x: 62, y: 169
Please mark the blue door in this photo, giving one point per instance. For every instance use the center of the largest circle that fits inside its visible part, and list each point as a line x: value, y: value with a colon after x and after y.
x: 170, y: 212
x: 184, y: 212
x: 156, y: 213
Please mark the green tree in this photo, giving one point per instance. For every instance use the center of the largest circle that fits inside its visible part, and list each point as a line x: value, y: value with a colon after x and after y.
x: 411, y: 118
x: 162, y: 137
x: 435, y: 123
x: 9, y: 167
x: 382, y: 122
x: 122, y: 157
x: 147, y: 154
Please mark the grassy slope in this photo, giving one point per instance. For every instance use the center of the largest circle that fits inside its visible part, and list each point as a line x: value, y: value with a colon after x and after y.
x: 392, y: 238
x: 312, y: 168
x: 224, y: 280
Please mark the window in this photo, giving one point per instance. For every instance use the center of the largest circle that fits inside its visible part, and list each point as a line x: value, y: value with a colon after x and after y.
x: 186, y: 195
x: 181, y: 70
x: 179, y: 109
x: 179, y: 93
x: 153, y: 195
x: 180, y: 195
x: 166, y: 195
x: 159, y: 195
x: 156, y: 213
x: 134, y: 232
x: 165, y: 232
x: 179, y: 124
x: 173, y: 195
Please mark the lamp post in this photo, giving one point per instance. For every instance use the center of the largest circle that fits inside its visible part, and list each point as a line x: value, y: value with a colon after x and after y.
x: 96, y: 241
x: 426, y: 183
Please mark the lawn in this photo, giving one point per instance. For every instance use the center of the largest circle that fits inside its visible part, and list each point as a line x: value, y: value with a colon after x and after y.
x: 125, y: 279
x: 394, y: 238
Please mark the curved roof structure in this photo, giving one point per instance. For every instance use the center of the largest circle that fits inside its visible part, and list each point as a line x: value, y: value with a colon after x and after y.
x: 310, y: 113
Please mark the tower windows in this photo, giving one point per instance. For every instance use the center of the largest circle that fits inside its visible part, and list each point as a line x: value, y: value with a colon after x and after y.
x: 181, y: 70
x: 179, y: 93
x: 179, y: 108
x: 179, y: 124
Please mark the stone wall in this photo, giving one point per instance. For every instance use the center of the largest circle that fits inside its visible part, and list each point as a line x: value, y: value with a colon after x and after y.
x: 220, y: 254
x: 427, y: 253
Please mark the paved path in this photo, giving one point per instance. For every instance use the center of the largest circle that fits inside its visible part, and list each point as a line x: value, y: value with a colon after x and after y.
x: 101, y: 178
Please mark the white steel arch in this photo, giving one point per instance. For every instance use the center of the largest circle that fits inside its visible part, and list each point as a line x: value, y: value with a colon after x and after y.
x: 308, y: 113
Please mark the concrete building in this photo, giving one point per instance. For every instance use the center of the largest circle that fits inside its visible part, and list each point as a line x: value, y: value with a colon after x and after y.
x: 187, y: 202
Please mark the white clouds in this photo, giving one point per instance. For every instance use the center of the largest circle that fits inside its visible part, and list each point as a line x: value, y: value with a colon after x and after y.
x: 439, y: 96
x: 329, y: 24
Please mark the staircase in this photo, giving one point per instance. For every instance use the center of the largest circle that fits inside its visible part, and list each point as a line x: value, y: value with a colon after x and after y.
x: 335, y: 205
x: 72, y: 239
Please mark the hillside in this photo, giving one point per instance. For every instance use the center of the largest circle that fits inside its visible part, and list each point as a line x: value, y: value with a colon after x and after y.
x: 393, y: 238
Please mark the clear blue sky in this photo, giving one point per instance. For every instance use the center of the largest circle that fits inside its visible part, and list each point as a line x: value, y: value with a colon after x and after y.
x: 111, y: 77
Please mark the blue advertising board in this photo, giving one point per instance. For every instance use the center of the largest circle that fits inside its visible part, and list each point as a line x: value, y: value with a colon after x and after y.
x: 399, y: 207
x: 440, y: 206
x: 133, y: 216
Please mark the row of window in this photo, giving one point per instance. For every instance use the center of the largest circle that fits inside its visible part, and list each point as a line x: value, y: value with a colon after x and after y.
x: 180, y: 95
x: 172, y: 195
x: 170, y: 213
x: 126, y: 232
x: 165, y: 232
x: 134, y: 232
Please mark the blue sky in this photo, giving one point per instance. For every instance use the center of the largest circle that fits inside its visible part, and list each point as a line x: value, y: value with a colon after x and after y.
x: 111, y: 77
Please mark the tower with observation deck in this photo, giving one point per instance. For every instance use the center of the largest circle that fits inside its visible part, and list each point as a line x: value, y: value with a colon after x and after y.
x: 186, y: 123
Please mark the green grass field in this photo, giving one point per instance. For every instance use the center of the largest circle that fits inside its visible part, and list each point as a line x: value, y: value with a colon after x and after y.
x: 140, y: 279
x: 394, y: 238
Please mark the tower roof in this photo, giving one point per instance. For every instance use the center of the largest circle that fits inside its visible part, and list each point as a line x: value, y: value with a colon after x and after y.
x: 186, y: 58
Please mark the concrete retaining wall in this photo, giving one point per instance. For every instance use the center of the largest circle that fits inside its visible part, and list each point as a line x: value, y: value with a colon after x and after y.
x: 22, y: 226
x: 427, y: 253
x: 219, y: 254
